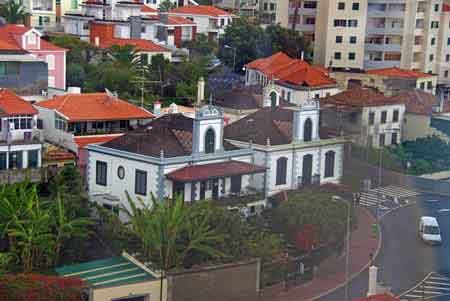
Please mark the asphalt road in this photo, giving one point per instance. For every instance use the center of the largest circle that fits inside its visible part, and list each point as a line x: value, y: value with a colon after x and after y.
x: 404, y: 260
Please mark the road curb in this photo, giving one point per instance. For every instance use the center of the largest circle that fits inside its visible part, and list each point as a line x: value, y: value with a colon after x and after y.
x: 367, y: 265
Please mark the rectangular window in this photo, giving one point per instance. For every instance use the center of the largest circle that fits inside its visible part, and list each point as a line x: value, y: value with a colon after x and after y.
x: 395, y: 116
x: 3, y: 161
x: 352, y: 23
x: 447, y: 58
x: 394, y: 138
x: 140, y: 182
x: 2, y: 68
x: 338, y: 39
x: 430, y: 85
x: 434, y: 24
x: 288, y: 96
x: 353, y: 40
x: 144, y: 58
x: 431, y: 57
x: 448, y: 41
x: 422, y: 86
x: 50, y: 59
x: 33, y: 158
x: 340, y: 23
x: 74, y: 4
x: 337, y: 55
x: 15, y: 160
x: 351, y: 56
x: 436, y: 7
x: 341, y: 5
x: 371, y: 118
x: 382, y: 139
x: 355, y: 6
x: 384, y: 117
x: 433, y: 41
x: 101, y: 173
x: 446, y: 73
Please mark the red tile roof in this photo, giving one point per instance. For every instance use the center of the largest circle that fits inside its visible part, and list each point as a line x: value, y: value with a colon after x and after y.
x: 206, y: 10
x: 8, y: 39
x: 148, y: 9
x: 417, y: 101
x: 357, y: 98
x: 282, y: 68
x: 214, y: 170
x: 176, y: 20
x: 446, y: 8
x: 11, y: 104
x: 140, y: 44
x: 83, y: 141
x: 94, y: 106
x: 397, y: 72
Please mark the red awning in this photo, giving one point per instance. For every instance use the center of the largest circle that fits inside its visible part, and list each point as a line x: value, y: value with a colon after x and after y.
x: 214, y: 170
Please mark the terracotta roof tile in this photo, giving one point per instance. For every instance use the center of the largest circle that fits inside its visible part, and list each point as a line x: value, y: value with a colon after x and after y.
x: 148, y: 9
x: 397, y: 72
x: 11, y: 104
x: 417, y: 101
x: 9, y: 33
x: 282, y: 68
x: 83, y: 141
x: 140, y: 44
x: 357, y: 98
x: 94, y: 106
x: 214, y: 170
x: 177, y: 20
x: 207, y: 10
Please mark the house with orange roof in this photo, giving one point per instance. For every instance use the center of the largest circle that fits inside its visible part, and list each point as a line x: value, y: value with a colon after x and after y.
x: 134, y: 21
x: 23, y: 51
x: 210, y: 20
x: 292, y: 80
x: 20, y: 146
x: 102, y: 117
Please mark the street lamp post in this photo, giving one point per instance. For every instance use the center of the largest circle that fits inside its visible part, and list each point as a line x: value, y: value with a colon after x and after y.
x: 234, y: 55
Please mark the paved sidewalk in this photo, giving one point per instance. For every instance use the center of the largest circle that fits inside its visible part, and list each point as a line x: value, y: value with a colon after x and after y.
x: 331, y: 273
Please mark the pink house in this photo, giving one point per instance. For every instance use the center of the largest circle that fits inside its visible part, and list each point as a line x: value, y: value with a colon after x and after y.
x: 22, y: 38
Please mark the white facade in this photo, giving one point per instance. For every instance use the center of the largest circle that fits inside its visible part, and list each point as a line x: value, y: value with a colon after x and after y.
x: 207, y: 24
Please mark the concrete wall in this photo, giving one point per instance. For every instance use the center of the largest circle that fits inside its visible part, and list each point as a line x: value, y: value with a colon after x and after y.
x: 32, y: 79
x: 150, y: 289
x: 232, y: 282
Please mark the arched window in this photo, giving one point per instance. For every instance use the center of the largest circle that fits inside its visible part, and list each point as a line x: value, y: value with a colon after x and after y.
x: 210, y: 142
x: 281, y: 171
x: 329, y: 164
x: 307, y: 130
x: 273, y: 99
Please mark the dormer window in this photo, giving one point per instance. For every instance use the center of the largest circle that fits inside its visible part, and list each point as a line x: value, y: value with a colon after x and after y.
x: 31, y: 38
x: 210, y: 137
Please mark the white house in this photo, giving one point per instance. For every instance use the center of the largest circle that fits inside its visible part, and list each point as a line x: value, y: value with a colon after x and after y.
x: 367, y: 116
x: 19, y: 146
x: 287, y: 141
x: 173, y: 155
x: 210, y: 20
x: 295, y: 80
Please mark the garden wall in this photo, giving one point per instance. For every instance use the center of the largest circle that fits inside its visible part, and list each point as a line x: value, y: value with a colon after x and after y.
x: 229, y: 282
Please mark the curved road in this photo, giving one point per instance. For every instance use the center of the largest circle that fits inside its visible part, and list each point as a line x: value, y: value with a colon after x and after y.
x: 404, y: 260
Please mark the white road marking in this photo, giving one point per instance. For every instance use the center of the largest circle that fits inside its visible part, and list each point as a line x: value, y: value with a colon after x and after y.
x: 439, y: 283
x: 437, y: 288
x: 439, y: 278
x: 432, y: 201
x: 444, y: 210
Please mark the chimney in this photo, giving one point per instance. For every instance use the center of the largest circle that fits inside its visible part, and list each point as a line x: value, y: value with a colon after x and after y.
x: 157, y: 108
x: 373, y: 284
x: 97, y: 41
x: 200, y: 91
x: 74, y: 90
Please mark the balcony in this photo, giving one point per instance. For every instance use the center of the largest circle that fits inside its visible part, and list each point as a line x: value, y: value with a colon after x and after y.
x: 386, y: 14
x: 304, y: 11
x: 383, y: 47
x: 43, y: 6
x: 372, y: 64
x: 385, y: 30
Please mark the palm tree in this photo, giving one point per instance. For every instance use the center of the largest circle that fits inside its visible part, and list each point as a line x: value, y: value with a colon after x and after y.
x: 124, y: 56
x: 169, y: 232
x: 14, y: 13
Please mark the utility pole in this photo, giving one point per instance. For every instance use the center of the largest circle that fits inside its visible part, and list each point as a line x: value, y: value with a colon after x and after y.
x: 347, y: 253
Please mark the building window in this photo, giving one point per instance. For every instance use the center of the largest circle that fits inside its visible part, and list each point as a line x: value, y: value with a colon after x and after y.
x: 447, y: 58
x: 2, y: 68
x: 2, y: 160
x: 281, y: 171
x: 33, y: 158
x: 21, y: 122
x: 329, y: 164
x: 337, y: 55
x: 338, y: 39
x: 86, y: 26
x: 60, y: 123
x: 15, y: 160
x: 371, y: 118
x: 382, y: 139
x: 307, y: 130
x: 446, y: 73
x: 395, y: 116
x: 384, y: 117
x: 74, y: 4
x: 341, y: 5
x: 433, y: 41
x: 394, y: 138
x: 351, y: 56
x: 340, y: 23
x: 422, y: 86
x: 352, y: 39
x: 436, y: 7
x: 144, y: 58
x: 236, y: 184
x: 101, y: 173
x: 289, y: 96
x: 431, y: 57
x: 50, y: 59
x: 430, y: 85
x: 210, y: 142
x: 140, y: 182
x: 434, y: 24
x: 273, y: 99
x: 352, y: 23
x: 121, y: 172
x: 355, y: 6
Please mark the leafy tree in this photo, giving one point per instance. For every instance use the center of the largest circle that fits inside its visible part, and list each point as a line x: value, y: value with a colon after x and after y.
x: 166, y: 5
x: 288, y: 41
x: 124, y: 56
x: 202, y: 46
x: 13, y: 12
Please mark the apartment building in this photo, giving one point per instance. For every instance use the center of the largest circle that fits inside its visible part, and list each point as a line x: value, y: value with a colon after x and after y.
x: 373, y: 34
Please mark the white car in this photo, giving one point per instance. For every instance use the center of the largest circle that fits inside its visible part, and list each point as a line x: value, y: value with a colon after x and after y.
x: 429, y: 230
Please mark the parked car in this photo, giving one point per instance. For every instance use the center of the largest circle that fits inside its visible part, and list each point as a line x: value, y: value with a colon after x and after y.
x: 429, y: 230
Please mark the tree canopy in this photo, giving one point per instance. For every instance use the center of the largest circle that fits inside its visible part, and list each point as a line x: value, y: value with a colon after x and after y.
x: 13, y: 12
